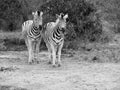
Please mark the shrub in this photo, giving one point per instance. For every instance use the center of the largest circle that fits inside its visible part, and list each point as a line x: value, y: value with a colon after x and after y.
x: 2, y: 46
x: 12, y: 13
x: 82, y: 15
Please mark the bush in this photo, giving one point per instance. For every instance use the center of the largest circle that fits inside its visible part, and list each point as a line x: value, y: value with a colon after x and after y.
x: 10, y: 11
x: 2, y: 46
x: 82, y: 15
x: 14, y: 44
x: 68, y: 35
x: 13, y: 13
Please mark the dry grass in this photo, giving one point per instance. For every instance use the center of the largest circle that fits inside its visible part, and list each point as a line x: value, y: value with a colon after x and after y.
x: 93, y: 67
x: 75, y: 73
x: 11, y: 41
x: 10, y: 35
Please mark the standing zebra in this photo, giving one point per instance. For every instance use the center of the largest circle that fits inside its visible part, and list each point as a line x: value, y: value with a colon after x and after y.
x: 53, y: 35
x: 31, y: 32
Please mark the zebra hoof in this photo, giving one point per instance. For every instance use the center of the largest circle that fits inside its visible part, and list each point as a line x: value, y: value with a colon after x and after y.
x: 37, y: 62
x: 29, y: 63
x: 54, y: 66
x: 59, y: 65
x: 49, y: 62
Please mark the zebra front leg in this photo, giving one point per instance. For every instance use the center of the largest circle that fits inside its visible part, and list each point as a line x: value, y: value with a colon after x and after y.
x: 30, y: 52
x: 26, y: 42
x: 27, y: 45
x: 59, y: 54
x: 34, y: 51
x: 37, y: 50
x: 50, y: 57
x: 50, y: 54
x: 53, y: 56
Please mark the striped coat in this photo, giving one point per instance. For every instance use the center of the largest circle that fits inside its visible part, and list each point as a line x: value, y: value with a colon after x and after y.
x: 31, y: 32
x: 53, y: 35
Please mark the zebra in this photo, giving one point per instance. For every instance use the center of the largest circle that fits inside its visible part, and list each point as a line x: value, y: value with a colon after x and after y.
x: 31, y: 32
x: 53, y: 36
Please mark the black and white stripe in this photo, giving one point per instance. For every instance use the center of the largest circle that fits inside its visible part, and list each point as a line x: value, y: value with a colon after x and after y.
x: 31, y: 32
x: 34, y: 32
x: 57, y: 35
x: 53, y: 35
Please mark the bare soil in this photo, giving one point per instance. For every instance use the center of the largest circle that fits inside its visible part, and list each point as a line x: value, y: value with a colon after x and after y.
x: 79, y: 71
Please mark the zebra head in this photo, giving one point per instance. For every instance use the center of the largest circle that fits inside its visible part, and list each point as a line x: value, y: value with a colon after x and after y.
x: 37, y: 19
x: 61, y: 19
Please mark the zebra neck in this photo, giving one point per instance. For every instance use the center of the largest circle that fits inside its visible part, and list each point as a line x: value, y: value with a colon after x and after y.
x: 36, y: 29
x: 34, y: 32
x: 57, y: 22
x: 57, y: 33
x: 58, y: 30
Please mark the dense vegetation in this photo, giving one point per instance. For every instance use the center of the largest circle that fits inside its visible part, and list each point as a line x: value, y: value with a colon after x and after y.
x: 84, y: 17
x: 14, y: 12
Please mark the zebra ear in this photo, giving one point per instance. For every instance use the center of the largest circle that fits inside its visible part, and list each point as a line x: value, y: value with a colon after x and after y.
x: 41, y: 13
x: 38, y: 12
x: 33, y: 13
x: 57, y: 16
x: 62, y: 15
x: 66, y: 16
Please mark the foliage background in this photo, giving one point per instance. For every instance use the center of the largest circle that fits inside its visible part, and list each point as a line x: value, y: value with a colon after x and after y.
x: 89, y: 20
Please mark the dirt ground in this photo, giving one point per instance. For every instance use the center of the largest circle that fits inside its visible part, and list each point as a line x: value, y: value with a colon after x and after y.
x: 80, y: 71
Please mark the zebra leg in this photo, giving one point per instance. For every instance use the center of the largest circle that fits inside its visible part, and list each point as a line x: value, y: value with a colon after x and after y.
x: 26, y: 42
x: 53, y: 55
x: 59, y: 54
x: 50, y: 54
x: 30, y: 52
x: 34, y: 50
x: 37, y: 50
x: 27, y: 45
